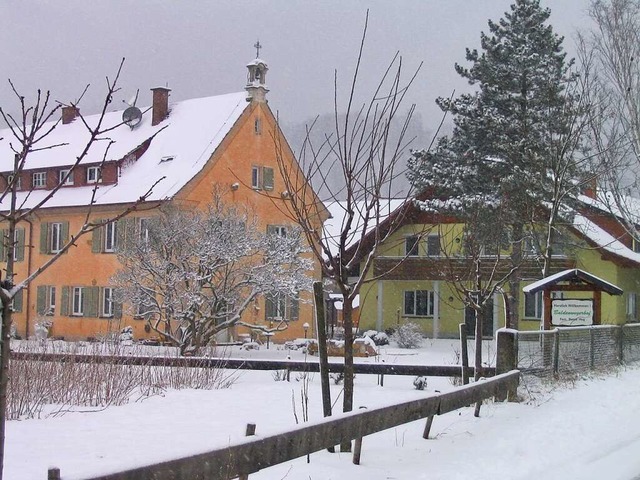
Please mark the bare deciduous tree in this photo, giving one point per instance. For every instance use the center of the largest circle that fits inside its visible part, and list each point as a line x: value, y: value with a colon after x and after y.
x: 368, y: 146
x: 194, y: 274
x: 612, y: 51
x: 28, y: 132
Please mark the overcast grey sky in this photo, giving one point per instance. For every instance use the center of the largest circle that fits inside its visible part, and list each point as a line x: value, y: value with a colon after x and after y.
x: 200, y: 48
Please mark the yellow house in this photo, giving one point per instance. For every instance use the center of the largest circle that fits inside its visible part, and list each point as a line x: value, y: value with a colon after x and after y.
x: 411, y: 277
x: 181, y: 152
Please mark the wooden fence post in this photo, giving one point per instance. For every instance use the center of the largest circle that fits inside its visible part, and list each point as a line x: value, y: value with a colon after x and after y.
x: 357, y: 447
x: 464, y: 353
x: 53, y: 474
x: 592, y: 348
x: 556, y: 352
x: 506, y: 360
x: 621, y: 344
x: 251, y: 430
x: 427, y: 427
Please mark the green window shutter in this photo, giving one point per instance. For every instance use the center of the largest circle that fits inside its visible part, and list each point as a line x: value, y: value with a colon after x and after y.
x: 267, y: 178
x: 44, y: 236
x: 17, y: 301
x: 269, y: 307
x: 294, y: 308
x: 117, y: 306
x: 96, y: 242
x: 3, y: 249
x: 91, y: 300
x: 19, y: 244
x: 64, y: 301
x: 65, y: 234
x: 41, y: 299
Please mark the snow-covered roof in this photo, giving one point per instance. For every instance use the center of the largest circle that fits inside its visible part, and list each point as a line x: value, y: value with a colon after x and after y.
x: 570, y: 275
x: 334, y: 225
x: 337, y: 300
x: 191, y: 133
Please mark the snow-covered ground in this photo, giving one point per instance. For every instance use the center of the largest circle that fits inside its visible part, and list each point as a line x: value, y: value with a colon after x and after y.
x: 587, y: 429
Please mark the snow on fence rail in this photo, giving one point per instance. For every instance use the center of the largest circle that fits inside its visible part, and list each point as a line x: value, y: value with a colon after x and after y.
x: 577, y: 349
x: 254, y: 454
x: 241, y: 364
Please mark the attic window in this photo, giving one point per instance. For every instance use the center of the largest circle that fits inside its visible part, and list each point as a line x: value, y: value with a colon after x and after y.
x: 168, y: 158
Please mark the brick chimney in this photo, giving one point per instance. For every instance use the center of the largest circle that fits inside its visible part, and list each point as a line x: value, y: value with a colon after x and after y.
x: 160, y: 104
x: 590, y: 189
x: 69, y: 114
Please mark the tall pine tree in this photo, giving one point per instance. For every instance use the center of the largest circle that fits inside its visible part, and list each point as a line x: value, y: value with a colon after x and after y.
x: 500, y: 156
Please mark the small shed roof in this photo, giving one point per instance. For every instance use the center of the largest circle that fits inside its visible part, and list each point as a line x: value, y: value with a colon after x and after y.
x: 574, y: 275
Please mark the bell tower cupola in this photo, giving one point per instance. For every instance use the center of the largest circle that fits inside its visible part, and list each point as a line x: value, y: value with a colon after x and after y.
x: 256, y: 78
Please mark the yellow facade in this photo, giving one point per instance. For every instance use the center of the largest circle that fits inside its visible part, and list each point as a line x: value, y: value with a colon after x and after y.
x: 382, y: 301
x: 250, y: 143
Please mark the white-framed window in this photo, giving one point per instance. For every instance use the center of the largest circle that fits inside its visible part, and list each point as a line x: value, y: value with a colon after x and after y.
x: 50, y: 308
x: 77, y: 303
x: 93, y: 174
x: 632, y: 307
x: 39, y: 179
x: 433, y: 245
x: 280, y: 307
x: 278, y: 230
x: 262, y: 178
x: 107, y: 302
x: 533, y: 306
x: 143, y: 229
x: 110, y: 236
x: 55, y: 237
x: 65, y: 177
x: 419, y: 303
x: 412, y: 246
x: 256, y: 178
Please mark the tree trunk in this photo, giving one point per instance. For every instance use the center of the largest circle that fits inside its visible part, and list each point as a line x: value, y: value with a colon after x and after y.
x: 477, y: 369
x: 5, y: 353
x: 347, y: 403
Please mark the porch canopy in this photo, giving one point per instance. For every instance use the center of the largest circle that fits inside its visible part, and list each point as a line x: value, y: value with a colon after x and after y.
x: 573, y: 280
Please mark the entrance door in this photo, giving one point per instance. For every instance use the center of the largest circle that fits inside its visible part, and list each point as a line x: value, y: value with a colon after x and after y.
x: 470, y: 320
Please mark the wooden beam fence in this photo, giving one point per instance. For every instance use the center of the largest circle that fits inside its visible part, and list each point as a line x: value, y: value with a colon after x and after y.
x: 241, y: 364
x: 253, y: 454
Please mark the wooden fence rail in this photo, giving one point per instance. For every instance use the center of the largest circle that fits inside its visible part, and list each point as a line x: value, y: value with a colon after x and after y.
x: 253, y: 454
x: 241, y: 364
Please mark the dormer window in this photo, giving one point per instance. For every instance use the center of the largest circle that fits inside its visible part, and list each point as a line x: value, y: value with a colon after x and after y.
x: 65, y: 177
x: 93, y: 174
x: 39, y: 179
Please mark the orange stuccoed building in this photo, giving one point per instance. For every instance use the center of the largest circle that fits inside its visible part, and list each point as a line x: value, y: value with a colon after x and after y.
x: 182, y: 151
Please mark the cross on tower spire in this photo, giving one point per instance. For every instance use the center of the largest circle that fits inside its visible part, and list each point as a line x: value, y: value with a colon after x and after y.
x: 257, y: 47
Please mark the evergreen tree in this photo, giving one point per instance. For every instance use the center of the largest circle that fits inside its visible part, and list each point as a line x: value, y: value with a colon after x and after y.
x: 506, y: 134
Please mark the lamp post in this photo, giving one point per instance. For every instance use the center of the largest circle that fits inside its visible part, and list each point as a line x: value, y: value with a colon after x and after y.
x: 305, y: 327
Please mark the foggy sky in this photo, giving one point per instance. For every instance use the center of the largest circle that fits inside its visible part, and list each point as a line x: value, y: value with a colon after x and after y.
x: 200, y: 48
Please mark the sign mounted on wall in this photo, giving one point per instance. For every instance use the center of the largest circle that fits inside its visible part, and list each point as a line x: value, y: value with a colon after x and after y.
x: 571, y: 313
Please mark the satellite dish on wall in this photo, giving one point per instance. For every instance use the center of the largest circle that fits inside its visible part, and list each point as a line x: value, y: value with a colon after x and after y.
x: 132, y: 116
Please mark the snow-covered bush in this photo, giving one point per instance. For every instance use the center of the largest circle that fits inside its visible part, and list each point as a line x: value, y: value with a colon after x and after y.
x: 251, y: 346
x: 126, y: 335
x: 408, y: 335
x: 379, y: 338
x: 420, y: 383
x: 41, y: 328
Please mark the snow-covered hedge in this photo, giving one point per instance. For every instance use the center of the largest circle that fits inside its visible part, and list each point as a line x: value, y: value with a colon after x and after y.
x: 408, y: 335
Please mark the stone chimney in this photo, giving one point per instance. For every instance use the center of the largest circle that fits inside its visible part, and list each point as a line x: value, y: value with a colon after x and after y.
x: 160, y: 104
x: 69, y: 114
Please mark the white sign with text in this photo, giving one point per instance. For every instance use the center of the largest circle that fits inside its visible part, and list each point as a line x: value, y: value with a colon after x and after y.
x: 571, y: 313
